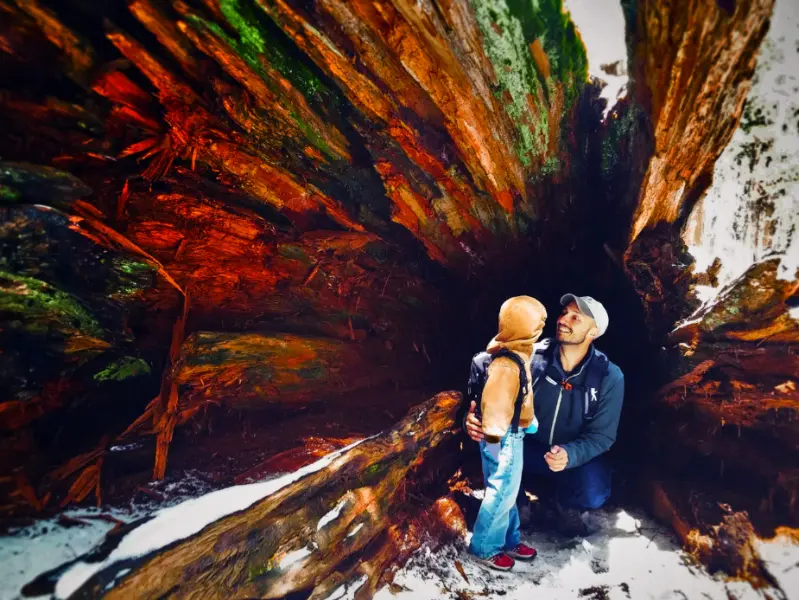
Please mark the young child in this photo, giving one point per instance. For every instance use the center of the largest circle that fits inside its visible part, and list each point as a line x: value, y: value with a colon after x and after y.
x: 506, y: 402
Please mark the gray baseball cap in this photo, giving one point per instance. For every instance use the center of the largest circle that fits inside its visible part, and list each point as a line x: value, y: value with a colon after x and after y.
x: 592, y: 308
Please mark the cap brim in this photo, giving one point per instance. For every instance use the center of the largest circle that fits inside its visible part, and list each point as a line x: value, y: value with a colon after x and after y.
x: 567, y: 298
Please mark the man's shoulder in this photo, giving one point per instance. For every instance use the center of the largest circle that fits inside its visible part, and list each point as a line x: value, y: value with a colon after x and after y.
x: 614, y: 373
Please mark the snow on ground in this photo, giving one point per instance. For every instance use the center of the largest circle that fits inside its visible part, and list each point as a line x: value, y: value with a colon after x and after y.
x: 629, y: 557
x: 185, y: 519
x: 30, y: 551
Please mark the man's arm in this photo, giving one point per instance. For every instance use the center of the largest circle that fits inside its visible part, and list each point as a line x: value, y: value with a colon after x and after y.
x: 472, y: 425
x: 599, y: 433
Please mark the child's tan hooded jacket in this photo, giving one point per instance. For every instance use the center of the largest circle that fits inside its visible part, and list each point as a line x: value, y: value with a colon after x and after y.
x: 521, y: 320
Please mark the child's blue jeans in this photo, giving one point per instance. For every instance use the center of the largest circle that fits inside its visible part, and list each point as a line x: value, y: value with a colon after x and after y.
x: 497, y: 525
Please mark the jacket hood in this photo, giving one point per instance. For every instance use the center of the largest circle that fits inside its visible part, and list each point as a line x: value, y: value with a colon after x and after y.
x: 521, y: 320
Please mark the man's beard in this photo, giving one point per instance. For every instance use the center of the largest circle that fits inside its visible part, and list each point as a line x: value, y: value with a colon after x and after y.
x: 564, y: 338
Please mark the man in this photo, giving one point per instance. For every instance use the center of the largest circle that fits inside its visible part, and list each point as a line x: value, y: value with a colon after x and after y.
x: 578, y: 400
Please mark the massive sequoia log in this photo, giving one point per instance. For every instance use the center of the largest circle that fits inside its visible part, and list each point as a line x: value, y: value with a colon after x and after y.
x: 260, y: 206
x: 341, y: 524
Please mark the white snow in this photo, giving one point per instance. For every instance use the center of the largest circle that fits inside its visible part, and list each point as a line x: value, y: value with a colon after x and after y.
x: 752, y: 208
x: 781, y: 555
x: 601, y: 26
x: 347, y: 591
x: 717, y: 296
x: 185, y: 519
x: 629, y: 550
x: 355, y: 530
x: 125, y: 447
x: 29, y: 551
x: 629, y: 556
x: 294, y: 557
x: 331, y: 516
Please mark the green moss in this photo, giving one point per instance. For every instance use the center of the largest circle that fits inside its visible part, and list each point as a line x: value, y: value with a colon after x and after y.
x: 130, y: 277
x: 40, y: 303
x: 9, y: 195
x: 294, y: 253
x: 255, y: 571
x: 132, y: 267
x: 620, y: 131
x: 375, y: 469
x: 122, y: 369
x: 551, y: 166
x: 509, y: 27
x: 514, y: 67
x: 257, y: 41
x: 316, y: 139
x: 314, y: 373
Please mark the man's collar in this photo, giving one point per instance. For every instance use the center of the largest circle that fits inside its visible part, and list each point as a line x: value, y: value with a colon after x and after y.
x: 580, y: 365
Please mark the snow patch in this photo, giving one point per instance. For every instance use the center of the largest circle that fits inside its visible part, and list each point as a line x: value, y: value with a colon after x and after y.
x: 752, y: 208
x: 629, y: 556
x: 125, y: 447
x: 355, y: 530
x: 186, y: 519
x: 347, y: 590
x: 780, y: 555
x: 602, y: 28
x: 294, y: 557
x: 331, y: 516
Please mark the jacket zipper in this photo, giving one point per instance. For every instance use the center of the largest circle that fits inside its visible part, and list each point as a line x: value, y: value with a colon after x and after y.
x: 557, y: 406
x: 555, y: 418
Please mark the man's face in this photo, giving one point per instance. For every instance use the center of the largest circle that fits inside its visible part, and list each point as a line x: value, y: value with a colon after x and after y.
x: 573, y: 326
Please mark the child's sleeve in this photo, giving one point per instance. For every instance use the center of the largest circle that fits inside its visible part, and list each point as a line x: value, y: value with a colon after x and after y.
x: 499, y: 396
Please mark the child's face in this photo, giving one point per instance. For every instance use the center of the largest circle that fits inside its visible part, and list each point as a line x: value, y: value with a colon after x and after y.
x: 539, y: 320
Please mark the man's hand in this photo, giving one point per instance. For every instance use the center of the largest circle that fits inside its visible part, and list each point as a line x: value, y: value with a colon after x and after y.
x: 474, y: 427
x: 557, y: 458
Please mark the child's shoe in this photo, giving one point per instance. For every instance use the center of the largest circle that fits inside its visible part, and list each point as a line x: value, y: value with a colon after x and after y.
x: 522, y: 552
x: 499, y: 562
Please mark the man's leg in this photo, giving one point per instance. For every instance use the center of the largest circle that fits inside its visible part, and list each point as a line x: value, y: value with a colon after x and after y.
x: 586, y: 487
x: 534, y: 463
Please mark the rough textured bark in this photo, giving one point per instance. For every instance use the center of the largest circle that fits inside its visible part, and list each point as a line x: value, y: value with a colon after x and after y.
x: 735, y: 386
x: 293, y: 170
x: 266, y: 203
x: 694, y: 60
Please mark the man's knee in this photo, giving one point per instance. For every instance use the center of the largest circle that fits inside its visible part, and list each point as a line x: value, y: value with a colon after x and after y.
x: 594, y: 497
x: 588, y: 486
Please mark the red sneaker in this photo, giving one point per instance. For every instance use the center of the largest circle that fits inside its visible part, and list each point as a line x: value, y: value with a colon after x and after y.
x: 500, y: 562
x: 522, y: 552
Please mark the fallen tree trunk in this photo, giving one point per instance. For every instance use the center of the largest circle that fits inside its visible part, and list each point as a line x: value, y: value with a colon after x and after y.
x: 726, y: 424
x: 249, y: 370
x: 311, y: 532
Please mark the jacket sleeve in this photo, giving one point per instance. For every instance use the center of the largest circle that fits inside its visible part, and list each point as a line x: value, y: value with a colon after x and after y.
x: 499, y: 396
x: 599, y: 434
x: 467, y: 400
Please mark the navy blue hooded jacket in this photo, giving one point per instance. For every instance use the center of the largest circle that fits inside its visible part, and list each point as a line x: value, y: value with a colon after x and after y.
x: 561, y: 415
